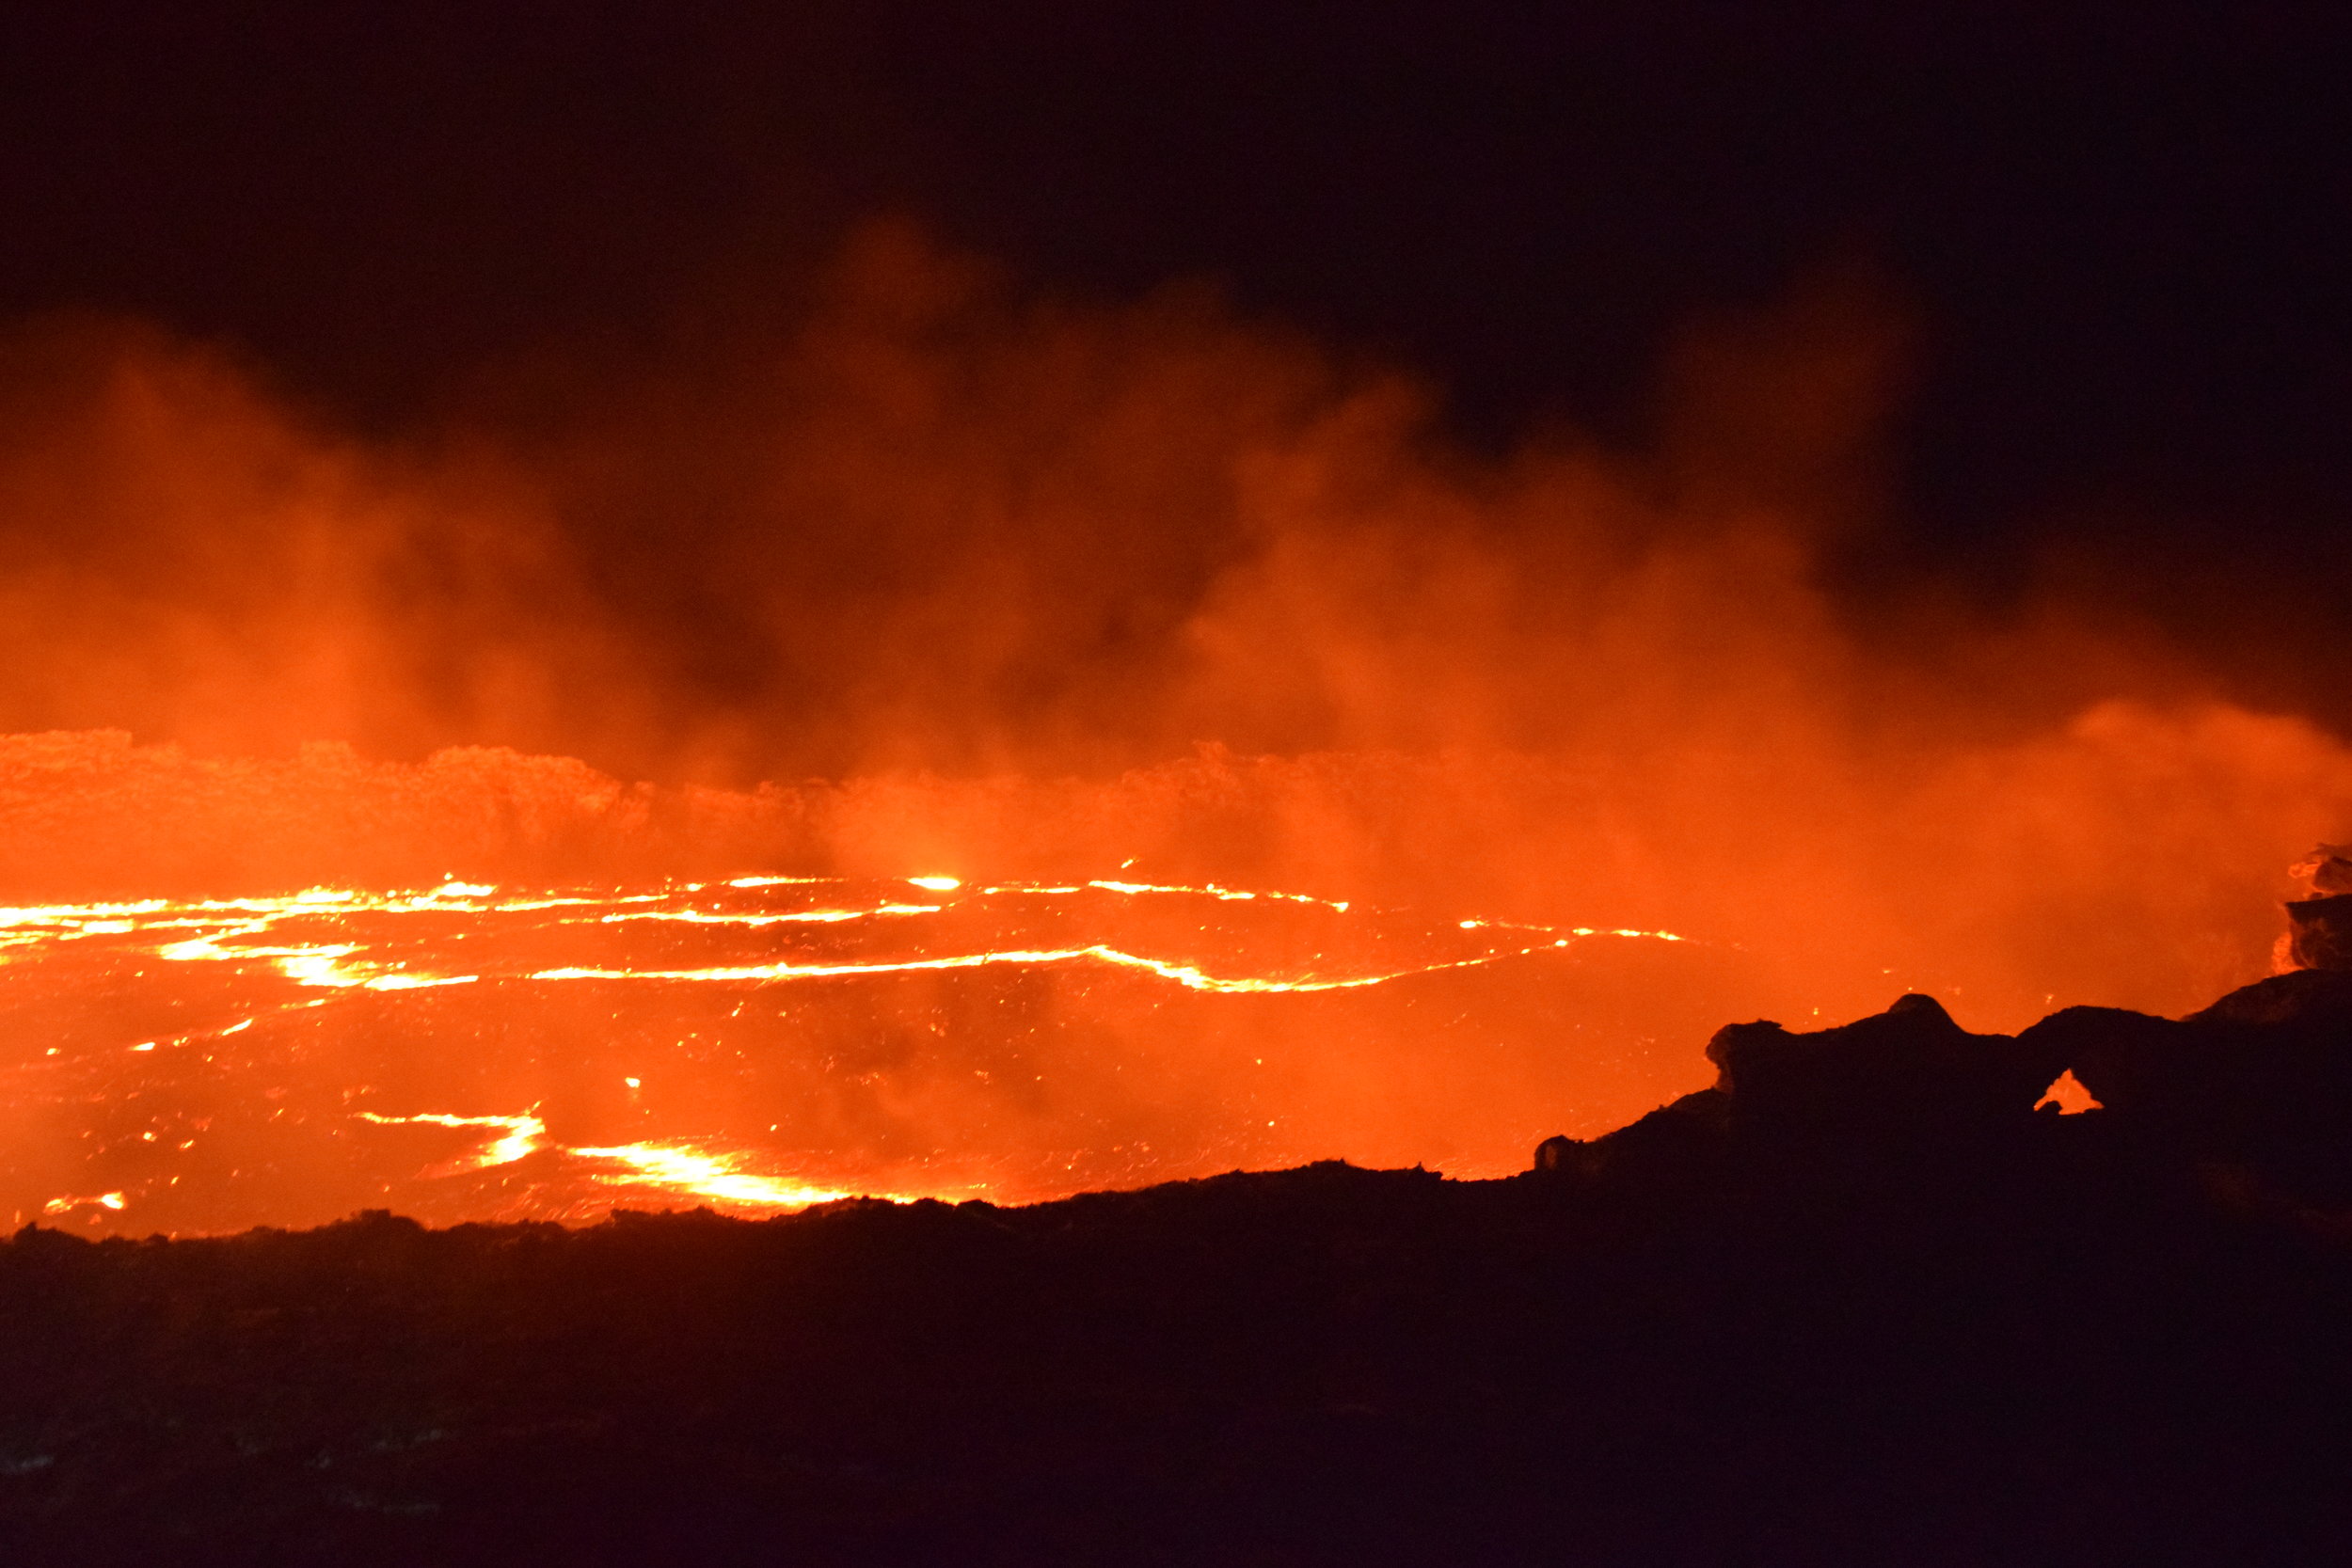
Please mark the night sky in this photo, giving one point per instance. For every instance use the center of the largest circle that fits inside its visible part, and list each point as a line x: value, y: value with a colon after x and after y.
x: 2114, y: 231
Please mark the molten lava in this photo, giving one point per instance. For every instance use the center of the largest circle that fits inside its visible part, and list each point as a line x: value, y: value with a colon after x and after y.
x: 758, y: 1044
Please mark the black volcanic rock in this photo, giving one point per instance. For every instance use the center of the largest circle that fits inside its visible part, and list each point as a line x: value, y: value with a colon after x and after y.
x: 2274, y: 1054
x: 2136, y: 1066
x: 2319, y: 927
x: 2319, y: 932
x: 1678, y: 1142
x: 2302, y: 998
x: 2069, y: 1357
x: 1910, y: 1069
x: 2325, y: 869
x: 1907, y: 1077
x: 2264, y: 1076
x: 2261, y: 1078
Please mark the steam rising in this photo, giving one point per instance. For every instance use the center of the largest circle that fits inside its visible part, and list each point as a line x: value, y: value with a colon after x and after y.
x: 1037, y: 588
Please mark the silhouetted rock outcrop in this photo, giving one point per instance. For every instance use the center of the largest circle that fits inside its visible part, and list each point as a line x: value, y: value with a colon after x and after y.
x: 2304, y: 999
x: 2260, y: 1079
x: 1910, y: 1069
x: 1679, y: 1143
x: 2319, y: 926
x: 2321, y: 934
x: 2263, y: 1077
x: 1907, y: 1077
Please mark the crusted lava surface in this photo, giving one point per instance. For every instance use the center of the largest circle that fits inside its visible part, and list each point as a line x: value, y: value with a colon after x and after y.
x: 1860, y: 1302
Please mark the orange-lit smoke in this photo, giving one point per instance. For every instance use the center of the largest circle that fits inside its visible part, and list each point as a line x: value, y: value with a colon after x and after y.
x: 1038, y: 589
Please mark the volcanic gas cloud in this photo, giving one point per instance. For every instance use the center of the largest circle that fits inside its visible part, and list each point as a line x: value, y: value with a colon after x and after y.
x: 1179, y: 754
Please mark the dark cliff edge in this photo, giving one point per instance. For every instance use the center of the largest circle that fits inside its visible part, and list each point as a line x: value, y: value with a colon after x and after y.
x: 1860, y: 1301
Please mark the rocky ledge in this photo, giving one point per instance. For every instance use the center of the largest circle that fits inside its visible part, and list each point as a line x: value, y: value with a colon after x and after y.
x: 1860, y: 1301
x: 2261, y: 1081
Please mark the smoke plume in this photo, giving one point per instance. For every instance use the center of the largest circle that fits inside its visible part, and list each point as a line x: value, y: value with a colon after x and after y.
x: 993, y: 584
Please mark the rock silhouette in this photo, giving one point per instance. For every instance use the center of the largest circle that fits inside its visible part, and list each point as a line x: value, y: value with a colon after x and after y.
x: 1894, y: 1085
x: 2262, y: 1078
x: 1859, y: 1302
x: 2321, y: 935
x: 2319, y: 927
x: 1910, y: 1069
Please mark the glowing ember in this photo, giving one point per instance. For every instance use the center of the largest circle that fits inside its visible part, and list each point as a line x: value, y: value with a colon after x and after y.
x: 66, y: 1205
x: 523, y: 1132
x: 679, y: 1168
x: 674, y: 1169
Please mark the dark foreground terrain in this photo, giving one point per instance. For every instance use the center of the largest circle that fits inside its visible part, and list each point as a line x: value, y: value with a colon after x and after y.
x: 1859, y: 1304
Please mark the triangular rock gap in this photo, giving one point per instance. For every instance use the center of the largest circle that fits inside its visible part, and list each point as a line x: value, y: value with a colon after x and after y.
x: 2068, y: 1097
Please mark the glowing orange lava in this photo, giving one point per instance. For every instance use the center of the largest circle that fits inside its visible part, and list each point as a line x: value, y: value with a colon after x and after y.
x: 766, y: 1042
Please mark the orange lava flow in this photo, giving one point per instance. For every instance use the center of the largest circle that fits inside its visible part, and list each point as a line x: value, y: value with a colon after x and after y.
x: 1190, y: 977
x: 344, y: 965
x: 762, y: 1043
x: 769, y: 1042
x: 677, y: 1168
